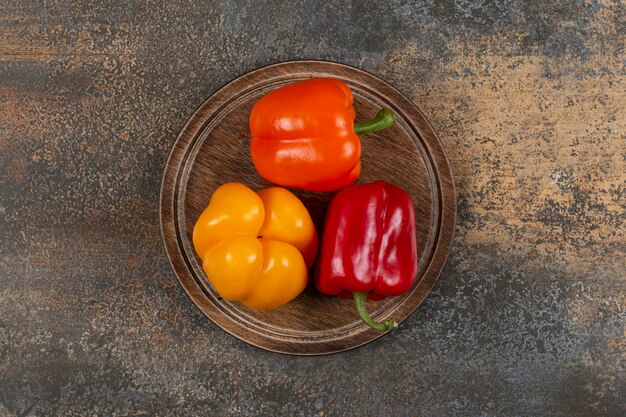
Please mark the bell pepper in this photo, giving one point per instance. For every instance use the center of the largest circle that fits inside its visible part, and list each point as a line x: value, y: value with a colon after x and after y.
x: 256, y: 247
x: 304, y: 136
x: 368, y: 246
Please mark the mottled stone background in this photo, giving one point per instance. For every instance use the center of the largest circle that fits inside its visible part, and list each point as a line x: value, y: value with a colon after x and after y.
x: 528, y: 316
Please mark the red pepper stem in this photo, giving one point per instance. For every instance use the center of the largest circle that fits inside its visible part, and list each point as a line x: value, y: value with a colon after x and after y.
x: 383, y: 120
x: 359, y: 302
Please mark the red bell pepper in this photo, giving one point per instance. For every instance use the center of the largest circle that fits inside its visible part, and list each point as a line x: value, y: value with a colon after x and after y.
x: 368, y: 246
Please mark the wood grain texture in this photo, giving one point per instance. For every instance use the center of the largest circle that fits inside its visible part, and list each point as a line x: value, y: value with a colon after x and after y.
x: 213, y: 148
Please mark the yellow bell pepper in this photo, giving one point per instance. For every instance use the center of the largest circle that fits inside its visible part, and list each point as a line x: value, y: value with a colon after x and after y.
x: 256, y: 247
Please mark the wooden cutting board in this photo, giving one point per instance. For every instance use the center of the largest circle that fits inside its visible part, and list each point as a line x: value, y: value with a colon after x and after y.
x: 213, y: 148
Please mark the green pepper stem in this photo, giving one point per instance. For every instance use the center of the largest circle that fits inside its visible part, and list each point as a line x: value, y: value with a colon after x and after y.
x: 359, y: 302
x: 383, y: 120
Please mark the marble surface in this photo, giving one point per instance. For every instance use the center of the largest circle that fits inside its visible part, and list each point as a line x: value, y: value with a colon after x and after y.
x: 527, y: 318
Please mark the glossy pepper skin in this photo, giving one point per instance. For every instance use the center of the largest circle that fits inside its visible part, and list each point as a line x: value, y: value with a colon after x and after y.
x: 368, y: 245
x: 256, y: 247
x: 304, y: 136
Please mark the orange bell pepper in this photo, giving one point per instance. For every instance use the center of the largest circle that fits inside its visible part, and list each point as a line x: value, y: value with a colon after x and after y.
x: 256, y: 247
x: 304, y: 136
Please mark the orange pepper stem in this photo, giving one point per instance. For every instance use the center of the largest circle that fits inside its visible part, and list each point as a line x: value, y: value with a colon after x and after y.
x: 383, y: 120
x: 359, y: 302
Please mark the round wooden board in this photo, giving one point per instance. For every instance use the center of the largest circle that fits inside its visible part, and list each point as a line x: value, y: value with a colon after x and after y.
x: 213, y: 148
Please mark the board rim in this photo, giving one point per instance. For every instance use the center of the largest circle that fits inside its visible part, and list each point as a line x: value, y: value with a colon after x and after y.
x: 167, y: 214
